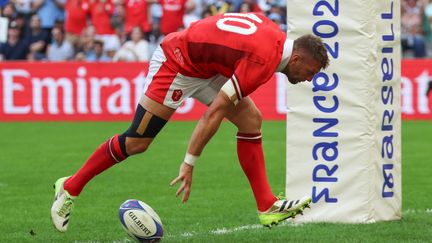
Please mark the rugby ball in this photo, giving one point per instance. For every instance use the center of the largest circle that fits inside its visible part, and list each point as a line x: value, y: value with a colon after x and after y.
x: 140, y: 221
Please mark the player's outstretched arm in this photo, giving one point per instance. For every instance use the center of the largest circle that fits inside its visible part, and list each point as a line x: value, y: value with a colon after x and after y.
x: 204, y: 131
x: 209, y: 123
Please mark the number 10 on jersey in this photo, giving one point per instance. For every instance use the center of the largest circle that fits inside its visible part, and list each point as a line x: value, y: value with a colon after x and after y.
x: 246, y: 20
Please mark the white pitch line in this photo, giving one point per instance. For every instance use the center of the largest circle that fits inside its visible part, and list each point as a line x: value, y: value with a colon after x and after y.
x: 417, y: 211
x: 187, y: 234
x: 224, y: 230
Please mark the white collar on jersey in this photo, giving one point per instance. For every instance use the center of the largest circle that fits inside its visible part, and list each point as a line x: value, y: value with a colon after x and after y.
x: 286, y: 54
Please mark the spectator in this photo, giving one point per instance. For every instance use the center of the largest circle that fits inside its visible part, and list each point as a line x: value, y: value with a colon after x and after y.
x: 3, y: 3
x: 76, y: 19
x: 80, y: 57
x: 245, y: 8
x: 98, y: 54
x: 412, y: 37
x: 21, y: 24
x: 277, y: 19
x: 49, y: 12
x: 37, y: 38
x: 155, y: 11
x: 199, y: 6
x: 172, y: 15
x: 155, y: 38
x: 23, y: 7
x: 15, y: 48
x: 221, y: 7
x: 190, y: 15
x: 137, y: 49
x: 118, y: 20
x: 87, y: 38
x: 101, y: 13
x: 137, y: 14
x: 111, y: 21
x: 110, y: 50
x: 254, y: 6
x: 9, y: 11
x: 428, y: 22
x: 265, y: 5
x: 206, y: 13
x: 60, y: 49
x: 235, y: 5
x: 279, y: 3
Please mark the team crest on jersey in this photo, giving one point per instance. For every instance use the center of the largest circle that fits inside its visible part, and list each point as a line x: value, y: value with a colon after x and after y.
x: 177, y: 94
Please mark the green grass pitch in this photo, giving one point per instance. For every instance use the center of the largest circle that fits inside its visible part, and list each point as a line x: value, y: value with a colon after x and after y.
x: 221, y: 207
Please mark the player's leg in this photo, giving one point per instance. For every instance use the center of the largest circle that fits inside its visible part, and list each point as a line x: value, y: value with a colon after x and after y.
x: 272, y: 210
x: 246, y: 116
x: 149, y: 119
x: 145, y: 126
x: 150, y: 116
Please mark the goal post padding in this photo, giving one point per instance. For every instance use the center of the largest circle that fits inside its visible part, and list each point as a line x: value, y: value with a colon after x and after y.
x: 343, y: 128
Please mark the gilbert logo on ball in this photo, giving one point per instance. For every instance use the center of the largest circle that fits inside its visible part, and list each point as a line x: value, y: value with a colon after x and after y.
x: 140, y: 221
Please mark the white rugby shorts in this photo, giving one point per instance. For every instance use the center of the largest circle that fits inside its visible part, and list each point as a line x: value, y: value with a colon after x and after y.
x: 171, y: 88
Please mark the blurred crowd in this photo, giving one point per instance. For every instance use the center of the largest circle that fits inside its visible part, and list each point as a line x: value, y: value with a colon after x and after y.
x: 416, y: 28
x: 107, y: 30
x: 130, y: 30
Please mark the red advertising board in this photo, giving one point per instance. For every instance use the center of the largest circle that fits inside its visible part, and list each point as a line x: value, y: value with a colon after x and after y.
x: 416, y: 89
x: 110, y: 91
x: 92, y: 92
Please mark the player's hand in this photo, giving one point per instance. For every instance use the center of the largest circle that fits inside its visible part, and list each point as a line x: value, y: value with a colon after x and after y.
x: 185, y: 176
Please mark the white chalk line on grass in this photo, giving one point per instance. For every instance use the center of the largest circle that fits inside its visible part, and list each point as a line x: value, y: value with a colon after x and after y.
x: 224, y: 230
x: 417, y: 211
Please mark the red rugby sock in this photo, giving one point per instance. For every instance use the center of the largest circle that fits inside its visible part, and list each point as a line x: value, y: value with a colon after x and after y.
x: 251, y: 157
x: 105, y: 156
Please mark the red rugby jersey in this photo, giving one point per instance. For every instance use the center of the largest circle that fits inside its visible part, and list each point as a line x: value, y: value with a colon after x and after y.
x: 76, y: 15
x: 172, y: 15
x: 136, y: 15
x: 244, y: 47
x: 101, y: 12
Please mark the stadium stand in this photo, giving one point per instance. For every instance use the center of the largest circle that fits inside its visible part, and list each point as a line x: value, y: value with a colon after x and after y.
x: 89, y: 24
x: 86, y: 26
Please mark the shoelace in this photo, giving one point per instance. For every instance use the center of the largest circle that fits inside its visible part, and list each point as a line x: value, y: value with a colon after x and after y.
x: 66, y: 207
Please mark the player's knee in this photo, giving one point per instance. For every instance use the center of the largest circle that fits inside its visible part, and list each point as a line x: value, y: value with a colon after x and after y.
x: 144, y: 128
x: 250, y: 122
x: 256, y: 118
x: 136, y: 146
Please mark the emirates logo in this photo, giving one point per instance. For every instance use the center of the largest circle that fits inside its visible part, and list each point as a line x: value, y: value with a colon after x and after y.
x: 177, y: 94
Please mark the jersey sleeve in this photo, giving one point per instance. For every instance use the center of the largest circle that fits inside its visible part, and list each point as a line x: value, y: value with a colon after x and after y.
x: 249, y: 75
